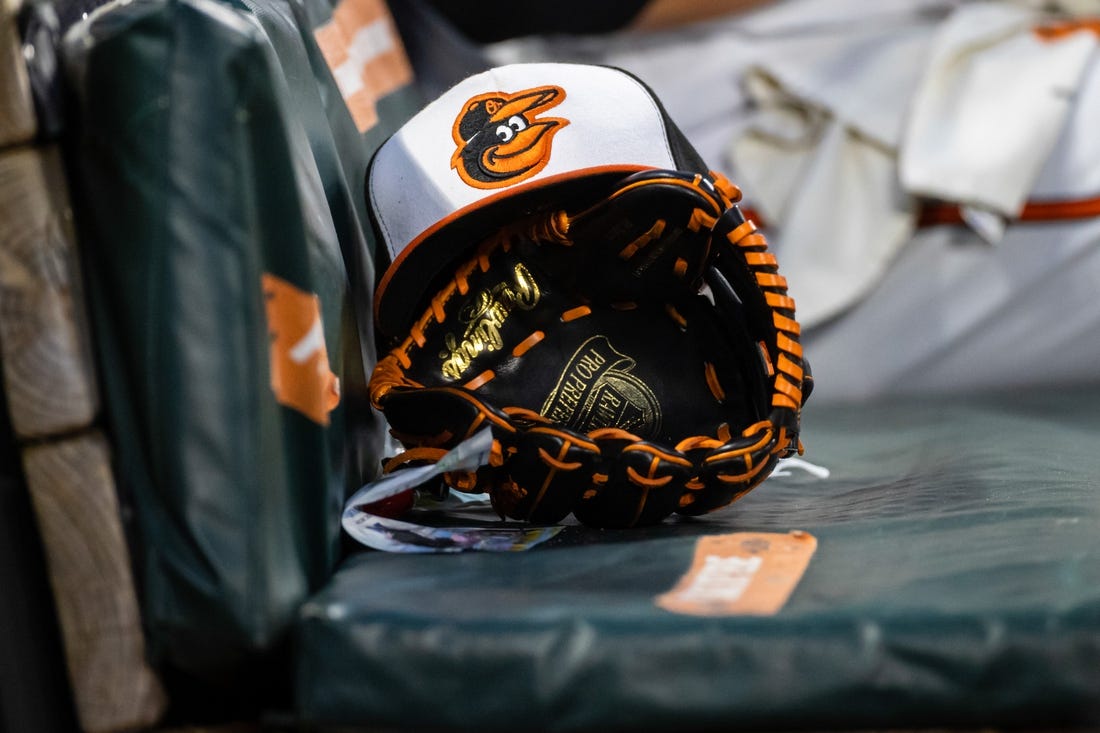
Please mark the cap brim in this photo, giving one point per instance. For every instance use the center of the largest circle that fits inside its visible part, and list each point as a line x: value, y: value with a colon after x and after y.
x: 422, y: 268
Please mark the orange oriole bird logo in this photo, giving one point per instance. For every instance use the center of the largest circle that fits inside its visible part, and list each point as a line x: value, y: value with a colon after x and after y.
x: 501, y: 139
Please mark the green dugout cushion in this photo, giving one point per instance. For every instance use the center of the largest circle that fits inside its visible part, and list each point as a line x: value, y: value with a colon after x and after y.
x: 956, y: 583
x: 199, y: 206
x: 340, y: 151
x: 322, y: 125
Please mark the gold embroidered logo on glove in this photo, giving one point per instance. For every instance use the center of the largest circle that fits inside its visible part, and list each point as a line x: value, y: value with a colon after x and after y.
x: 597, y: 390
x: 485, y: 315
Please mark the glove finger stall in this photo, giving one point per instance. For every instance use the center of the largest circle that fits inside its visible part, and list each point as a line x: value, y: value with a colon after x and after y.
x: 642, y: 486
x: 545, y: 475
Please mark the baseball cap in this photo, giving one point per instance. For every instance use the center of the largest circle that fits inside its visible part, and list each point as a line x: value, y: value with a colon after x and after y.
x: 501, y: 144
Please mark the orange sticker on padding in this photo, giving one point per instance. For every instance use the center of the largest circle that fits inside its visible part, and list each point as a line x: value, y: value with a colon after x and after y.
x: 300, y: 374
x: 741, y: 574
x: 363, y: 49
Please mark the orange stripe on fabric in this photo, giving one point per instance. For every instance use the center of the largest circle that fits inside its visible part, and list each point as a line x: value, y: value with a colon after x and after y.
x: 1058, y: 31
x: 940, y: 213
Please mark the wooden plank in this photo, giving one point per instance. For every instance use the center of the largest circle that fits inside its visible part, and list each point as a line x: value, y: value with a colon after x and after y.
x: 17, y: 121
x: 73, y: 493
x: 50, y: 384
x: 47, y: 360
x: 34, y: 688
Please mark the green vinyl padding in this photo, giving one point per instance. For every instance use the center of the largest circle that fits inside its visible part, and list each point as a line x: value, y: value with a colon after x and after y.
x: 194, y: 181
x: 340, y: 150
x: 322, y: 126
x: 956, y: 583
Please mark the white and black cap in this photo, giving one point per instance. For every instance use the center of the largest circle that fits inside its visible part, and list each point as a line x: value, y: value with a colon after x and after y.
x: 498, y: 145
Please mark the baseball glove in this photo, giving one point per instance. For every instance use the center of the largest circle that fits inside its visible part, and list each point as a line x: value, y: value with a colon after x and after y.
x: 634, y: 356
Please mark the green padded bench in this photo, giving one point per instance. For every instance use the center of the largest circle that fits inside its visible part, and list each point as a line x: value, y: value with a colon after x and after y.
x: 956, y: 582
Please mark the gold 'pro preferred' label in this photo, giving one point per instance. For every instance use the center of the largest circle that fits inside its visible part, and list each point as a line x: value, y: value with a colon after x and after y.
x: 597, y: 390
x: 483, y: 317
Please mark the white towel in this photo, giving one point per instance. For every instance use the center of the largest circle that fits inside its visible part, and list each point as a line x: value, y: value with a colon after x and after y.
x: 863, y: 121
x: 819, y: 159
x: 990, y: 107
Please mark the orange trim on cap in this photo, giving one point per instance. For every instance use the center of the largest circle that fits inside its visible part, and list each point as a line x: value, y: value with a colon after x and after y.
x: 482, y: 203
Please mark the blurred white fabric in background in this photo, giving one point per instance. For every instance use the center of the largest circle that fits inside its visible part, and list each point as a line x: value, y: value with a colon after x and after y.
x: 838, y: 119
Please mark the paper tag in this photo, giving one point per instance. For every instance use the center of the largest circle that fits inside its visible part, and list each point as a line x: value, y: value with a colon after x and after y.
x: 741, y: 574
x: 392, y: 535
x: 469, y: 455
